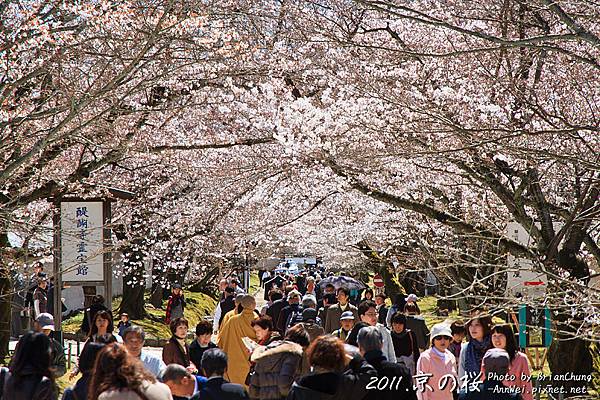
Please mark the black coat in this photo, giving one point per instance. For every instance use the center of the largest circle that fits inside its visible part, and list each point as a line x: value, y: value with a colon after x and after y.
x: 284, y: 316
x: 29, y: 386
x: 217, y: 388
x: 227, y: 304
x: 400, y: 384
x: 80, y: 390
x: 275, y: 309
x: 382, y: 314
x: 196, y: 352
x: 350, y: 385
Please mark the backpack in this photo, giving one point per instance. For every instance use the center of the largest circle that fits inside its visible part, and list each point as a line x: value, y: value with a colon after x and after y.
x: 294, y: 318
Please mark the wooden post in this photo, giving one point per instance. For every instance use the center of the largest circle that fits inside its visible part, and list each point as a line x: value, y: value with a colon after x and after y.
x: 69, y: 357
x: 56, y: 258
x: 107, y: 255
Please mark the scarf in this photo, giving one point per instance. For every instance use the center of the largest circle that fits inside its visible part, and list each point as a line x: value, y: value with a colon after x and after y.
x: 181, y: 343
x: 439, y: 353
x: 474, y: 354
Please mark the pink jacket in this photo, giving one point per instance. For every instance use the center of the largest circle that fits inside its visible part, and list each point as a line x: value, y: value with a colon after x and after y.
x: 519, y: 368
x: 431, y: 363
x: 520, y: 365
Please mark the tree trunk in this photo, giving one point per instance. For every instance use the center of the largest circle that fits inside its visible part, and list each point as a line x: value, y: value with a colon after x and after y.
x: 206, y: 284
x: 156, y: 298
x: 134, y: 284
x: 5, y: 311
x: 567, y: 355
x: 133, y: 300
x: 5, y: 295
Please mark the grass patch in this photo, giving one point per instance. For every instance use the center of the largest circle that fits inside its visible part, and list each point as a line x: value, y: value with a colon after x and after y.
x: 254, y: 283
x: 198, y: 305
x: 64, y: 382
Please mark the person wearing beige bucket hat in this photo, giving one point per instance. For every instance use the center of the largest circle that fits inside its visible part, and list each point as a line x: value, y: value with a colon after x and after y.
x: 439, y: 362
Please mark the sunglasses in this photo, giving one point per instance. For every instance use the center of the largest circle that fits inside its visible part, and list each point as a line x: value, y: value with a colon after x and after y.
x: 442, y: 337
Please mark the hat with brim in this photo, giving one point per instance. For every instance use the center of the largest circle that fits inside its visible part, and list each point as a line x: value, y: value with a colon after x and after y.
x: 46, y: 321
x: 411, y: 297
x: 347, y: 315
x: 440, y: 330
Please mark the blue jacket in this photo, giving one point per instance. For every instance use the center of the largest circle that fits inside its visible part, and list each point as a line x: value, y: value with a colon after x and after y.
x: 217, y: 388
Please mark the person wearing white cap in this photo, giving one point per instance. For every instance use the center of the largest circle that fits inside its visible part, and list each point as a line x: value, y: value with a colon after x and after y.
x: 411, y: 307
x: 347, y: 323
x: 44, y: 323
x: 437, y: 361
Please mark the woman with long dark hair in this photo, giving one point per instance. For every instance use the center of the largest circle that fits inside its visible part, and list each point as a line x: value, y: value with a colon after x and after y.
x: 29, y: 375
x: 367, y: 294
x: 119, y: 376
x: 503, y: 337
x: 86, y: 366
x: 472, y: 352
x: 103, y: 324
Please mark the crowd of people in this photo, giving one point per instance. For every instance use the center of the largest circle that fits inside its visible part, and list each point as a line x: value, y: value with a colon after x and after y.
x: 309, y: 341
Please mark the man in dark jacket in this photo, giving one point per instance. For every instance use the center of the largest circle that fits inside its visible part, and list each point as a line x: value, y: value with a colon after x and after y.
x: 495, y: 363
x: 381, y: 308
x: 181, y: 382
x: 327, y: 300
x: 45, y: 323
x: 214, y: 365
x: 398, y: 384
x: 275, y: 309
x: 334, y: 312
x: 227, y: 304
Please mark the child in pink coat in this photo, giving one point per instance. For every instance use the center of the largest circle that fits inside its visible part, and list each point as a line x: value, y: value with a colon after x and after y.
x: 441, y: 364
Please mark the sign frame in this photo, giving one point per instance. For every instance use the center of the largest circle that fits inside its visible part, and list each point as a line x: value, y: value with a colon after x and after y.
x: 57, y: 255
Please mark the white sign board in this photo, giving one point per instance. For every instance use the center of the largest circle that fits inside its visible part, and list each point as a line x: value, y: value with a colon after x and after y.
x: 523, y: 280
x: 82, y: 247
